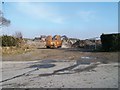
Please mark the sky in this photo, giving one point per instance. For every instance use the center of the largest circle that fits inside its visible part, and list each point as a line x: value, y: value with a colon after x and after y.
x: 81, y: 20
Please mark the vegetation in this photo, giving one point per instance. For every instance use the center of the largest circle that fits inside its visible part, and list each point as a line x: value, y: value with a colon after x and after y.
x: 12, y: 45
x: 110, y: 42
x: 14, y: 50
x: 8, y: 41
x: 3, y: 20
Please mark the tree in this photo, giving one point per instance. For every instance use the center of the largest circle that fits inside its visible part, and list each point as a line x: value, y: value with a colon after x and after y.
x: 18, y: 35
x: 3, y: 21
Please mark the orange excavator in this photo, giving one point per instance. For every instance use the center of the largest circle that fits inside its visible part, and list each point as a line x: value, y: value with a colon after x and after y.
x: 53, y: 42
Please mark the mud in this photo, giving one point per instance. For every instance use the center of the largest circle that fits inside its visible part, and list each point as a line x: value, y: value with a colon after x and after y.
x: 42, y: 66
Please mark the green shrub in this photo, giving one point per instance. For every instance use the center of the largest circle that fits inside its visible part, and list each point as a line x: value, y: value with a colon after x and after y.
x: 9, y: 41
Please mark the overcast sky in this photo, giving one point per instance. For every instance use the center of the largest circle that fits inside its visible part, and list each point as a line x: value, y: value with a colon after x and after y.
x: 74, y: 19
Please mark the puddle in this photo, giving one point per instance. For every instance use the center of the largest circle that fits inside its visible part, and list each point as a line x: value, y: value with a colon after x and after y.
x: 88, y: 57
x: 52, y: 61
x: 85, y: 60
x: 48, y: 61
x: 42, y: 66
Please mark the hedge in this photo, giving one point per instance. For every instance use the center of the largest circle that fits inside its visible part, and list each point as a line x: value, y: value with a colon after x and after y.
x: 110, y: 42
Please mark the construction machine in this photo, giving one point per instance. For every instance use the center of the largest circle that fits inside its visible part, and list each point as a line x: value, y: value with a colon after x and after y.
x: 53, y: 42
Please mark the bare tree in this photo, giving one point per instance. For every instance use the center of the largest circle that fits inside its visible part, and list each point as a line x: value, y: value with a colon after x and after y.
x: 18, y: 35
x: 3, y: 21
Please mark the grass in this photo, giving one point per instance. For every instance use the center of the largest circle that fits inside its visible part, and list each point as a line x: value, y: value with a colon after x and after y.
x: 14, y: 50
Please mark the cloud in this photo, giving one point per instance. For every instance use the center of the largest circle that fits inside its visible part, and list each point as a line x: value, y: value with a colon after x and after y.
x: 87, y: 15
x: 41, y: 11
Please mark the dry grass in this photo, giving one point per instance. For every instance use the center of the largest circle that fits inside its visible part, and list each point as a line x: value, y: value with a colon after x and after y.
x: 14, y: 50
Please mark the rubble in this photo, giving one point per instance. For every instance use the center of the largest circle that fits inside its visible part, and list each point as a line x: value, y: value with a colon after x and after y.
x: 41, y: 38
x: 66, y: 44
x: 39, y: 42
x: 36, y: 44
x: 88, y: 44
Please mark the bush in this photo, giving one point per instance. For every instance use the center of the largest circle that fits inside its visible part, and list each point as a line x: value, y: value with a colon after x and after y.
x: 9, y: 41
x: 110, y: 42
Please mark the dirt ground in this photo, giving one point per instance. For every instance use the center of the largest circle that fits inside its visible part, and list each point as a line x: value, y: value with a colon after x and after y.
x: 60, y: 68
x: 62, y: 54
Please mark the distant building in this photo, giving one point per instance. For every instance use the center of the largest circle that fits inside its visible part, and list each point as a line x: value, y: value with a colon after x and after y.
x: 36, y: 39
x: 41, y: 38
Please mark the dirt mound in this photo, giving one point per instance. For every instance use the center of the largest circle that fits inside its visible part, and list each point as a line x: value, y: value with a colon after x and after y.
x: 88, y: 44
